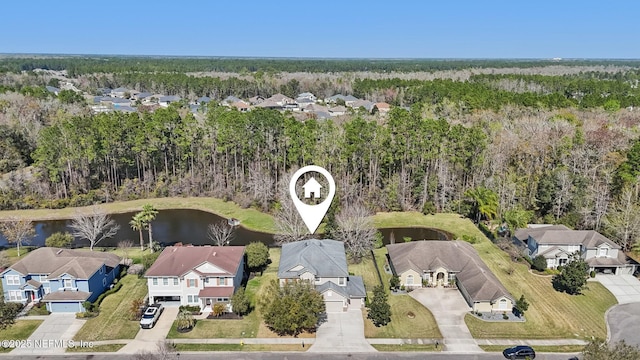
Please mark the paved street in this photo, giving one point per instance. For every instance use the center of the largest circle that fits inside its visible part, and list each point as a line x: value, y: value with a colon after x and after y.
x: 624, y: 323
x: 626, y: 288
x: 449, y: 308
x: 343, y: 333
x: 304, y: 356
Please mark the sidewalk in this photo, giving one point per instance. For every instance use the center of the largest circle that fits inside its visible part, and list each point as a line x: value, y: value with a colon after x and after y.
x: 556, y: 342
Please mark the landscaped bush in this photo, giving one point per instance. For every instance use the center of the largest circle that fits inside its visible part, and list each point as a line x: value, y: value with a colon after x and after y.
x: 39, y: 309
x: 539, y: 263
x: 185, y: 321
x: 592, y: 274
x: 193, y: 309
x: 98, y: 301
x: 135, y: 269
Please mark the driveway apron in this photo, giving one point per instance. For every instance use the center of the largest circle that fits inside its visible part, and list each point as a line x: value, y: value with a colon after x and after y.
x: 449, y: 309
x: 148, y: 339
x: 343, y: 332
x: 52, y: 336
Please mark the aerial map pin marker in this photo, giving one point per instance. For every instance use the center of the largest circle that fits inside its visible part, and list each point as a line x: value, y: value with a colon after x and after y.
x: 312, y: 215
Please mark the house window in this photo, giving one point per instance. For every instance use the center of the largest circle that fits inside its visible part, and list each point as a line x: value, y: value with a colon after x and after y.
x: 222, y: 281
x: 67, y: 283
x: 165, y: 281
x: 604, y: 251
x: 104, y: 282
x: 191, y: 283
x: 341, y: 281
x: 409, y: 279
x: 155, y: 281
x: 191, y: 299
x: 15, y: 295
x: 47, y: 290
x: 101, y: 269
x: 13, y: 280
x: 502, y: 304
x: 317, y: 278
x: 452, y: 278
x: 329, y: 293
x: 175, y: 281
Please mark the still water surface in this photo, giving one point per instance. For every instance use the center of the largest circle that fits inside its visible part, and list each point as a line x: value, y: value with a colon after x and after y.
x: 190, y: 227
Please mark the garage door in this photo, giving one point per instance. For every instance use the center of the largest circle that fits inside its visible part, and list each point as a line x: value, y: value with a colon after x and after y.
x: 73, y: 307
x: 334, y: 306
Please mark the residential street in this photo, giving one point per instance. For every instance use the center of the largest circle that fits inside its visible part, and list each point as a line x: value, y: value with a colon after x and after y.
x: 624, y: 323
x: 310, y: 356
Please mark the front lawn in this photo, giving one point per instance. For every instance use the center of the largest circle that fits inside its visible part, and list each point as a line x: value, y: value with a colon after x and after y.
x: 421, y: 325
x: 20, y: 330
x: 551, y: 314
x: 113, y: 321
x: 238, y: 347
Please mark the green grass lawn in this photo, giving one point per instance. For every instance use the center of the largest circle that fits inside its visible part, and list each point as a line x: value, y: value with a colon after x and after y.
x: 406, y: 347
x: 238, y: 347
x: 250, y: 218
x: 551, y: 314
x: 113, y: 322
x: 97, y: 348
x: 422, y: 326
x: 20, y: 330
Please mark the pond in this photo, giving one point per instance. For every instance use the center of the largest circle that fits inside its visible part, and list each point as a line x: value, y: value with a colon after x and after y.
x: 190, y: 227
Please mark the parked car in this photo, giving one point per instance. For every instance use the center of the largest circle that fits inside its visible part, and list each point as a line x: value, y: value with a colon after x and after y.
x: 151, y: 316
x: 519, y: 352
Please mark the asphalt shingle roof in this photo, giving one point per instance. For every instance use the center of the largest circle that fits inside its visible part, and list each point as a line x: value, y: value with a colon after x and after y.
x: 323, y: 258
x: 80, y: 264
x: 179, y: 260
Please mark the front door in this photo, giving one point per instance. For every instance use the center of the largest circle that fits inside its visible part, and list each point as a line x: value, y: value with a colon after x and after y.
x: 440, y: 278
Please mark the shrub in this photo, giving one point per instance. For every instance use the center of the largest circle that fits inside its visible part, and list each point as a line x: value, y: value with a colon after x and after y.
x: 592, y: 274
x: 185, y: 320
x: 194, y: 309
x: 88, y: 305
x: 135, y: 269
x: 394, y: 282
x: 135, y: 309
x: 539, y: 263
x: 107, y: 293
x: 505, y: 316
x: 218, y: 309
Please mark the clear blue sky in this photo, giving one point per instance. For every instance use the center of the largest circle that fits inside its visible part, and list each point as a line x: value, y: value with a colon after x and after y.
x: 384, y: 29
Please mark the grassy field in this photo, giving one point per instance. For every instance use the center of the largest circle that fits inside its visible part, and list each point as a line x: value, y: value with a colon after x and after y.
x: 421, y: 326
x: 538, y: 349
x: 250, y: 218
x: 238, y: 347
x: 551, y: 314
x: 20, y: 330
x: 406, y: 347
x: 113, y: 321
x: 96, y: 348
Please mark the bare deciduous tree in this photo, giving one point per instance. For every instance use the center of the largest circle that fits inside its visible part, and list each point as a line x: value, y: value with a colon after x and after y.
x: 221, y: 233
x: 623, y: 221
x: 164, y: 351
x: 95, y: 226
x: 17, y: 231
x: 125, y: 247
x: 356, y: 230
x: 289, y: 224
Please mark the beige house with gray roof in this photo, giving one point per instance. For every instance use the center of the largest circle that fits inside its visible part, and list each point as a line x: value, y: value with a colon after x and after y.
x: 447, y: 263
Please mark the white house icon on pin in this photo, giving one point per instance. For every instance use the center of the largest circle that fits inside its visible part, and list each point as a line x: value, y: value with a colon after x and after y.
x: 312, y: 186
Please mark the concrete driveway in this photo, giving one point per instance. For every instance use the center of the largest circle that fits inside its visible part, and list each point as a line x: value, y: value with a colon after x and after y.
x: 624, y: 323
x: 343, y: 332
x: 449, y: 308
x: 147, y: 339
x: 46, y: 338
x: 626, y: 288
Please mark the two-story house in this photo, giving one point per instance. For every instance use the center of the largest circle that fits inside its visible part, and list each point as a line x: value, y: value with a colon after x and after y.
x: 324, y: 264
x: 196, y: 275
x: 557, y: 243
x: 62, y: 278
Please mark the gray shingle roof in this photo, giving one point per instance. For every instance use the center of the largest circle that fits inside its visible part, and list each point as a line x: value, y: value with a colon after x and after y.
x: 455, y: 256
x: 55, y: 261
x: 323, y: 258
x: 66, y: 296
x: 587, y: 238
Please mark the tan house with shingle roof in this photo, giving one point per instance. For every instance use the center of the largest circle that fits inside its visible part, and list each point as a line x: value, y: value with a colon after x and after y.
x: 196, y: 275
x: 438, y: 263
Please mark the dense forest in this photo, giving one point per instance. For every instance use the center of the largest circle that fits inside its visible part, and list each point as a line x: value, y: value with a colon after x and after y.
x: 512, y: 147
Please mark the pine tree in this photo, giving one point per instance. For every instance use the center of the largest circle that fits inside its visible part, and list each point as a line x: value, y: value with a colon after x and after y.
x: 379, y: 309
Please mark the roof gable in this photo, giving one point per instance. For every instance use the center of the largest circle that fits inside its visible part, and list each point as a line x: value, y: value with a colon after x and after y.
x: 209, y: 268
x: 324, y: 258
x: 179, y: 260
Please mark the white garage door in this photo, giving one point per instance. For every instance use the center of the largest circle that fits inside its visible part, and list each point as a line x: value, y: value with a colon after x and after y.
x: 334, y: 306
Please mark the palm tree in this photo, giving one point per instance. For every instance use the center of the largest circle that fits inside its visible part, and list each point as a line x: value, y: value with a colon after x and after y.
x: 485, y: 202
x: 138, y: 224
x: 149, y: 214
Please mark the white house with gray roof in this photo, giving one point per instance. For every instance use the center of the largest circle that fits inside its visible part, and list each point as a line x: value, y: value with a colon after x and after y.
x: 557, y: 243
x: 324, y: 264
x: 448, y: 263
